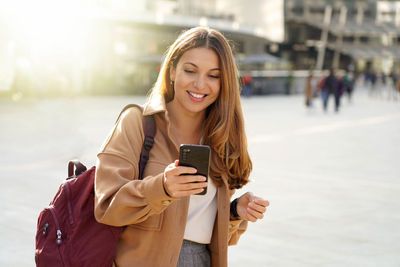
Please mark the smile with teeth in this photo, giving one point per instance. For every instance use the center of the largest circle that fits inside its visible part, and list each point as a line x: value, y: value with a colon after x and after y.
x: 198, y: 96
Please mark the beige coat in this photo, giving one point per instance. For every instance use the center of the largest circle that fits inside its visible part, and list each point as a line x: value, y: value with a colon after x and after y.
x: 155, y: 223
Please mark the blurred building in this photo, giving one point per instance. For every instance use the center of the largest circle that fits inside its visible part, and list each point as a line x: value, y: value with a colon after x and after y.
x: 117, y: 46
x: 325, y: 34
x: 141, y: 30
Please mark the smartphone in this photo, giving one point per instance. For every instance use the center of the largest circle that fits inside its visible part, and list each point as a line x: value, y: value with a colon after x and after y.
x: 196, y: 156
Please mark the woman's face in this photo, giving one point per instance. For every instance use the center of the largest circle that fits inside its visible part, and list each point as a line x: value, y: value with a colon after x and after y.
x: 197, y: 79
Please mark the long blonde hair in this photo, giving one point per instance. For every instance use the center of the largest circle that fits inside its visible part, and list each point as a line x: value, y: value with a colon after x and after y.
x: 224, y: 125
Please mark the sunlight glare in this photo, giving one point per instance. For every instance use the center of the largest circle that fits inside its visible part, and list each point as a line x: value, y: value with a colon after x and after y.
x: 50, y: 29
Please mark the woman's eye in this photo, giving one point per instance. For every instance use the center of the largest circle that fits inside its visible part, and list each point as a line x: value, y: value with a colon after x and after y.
x: 215, y: 76
x: 189, y: 71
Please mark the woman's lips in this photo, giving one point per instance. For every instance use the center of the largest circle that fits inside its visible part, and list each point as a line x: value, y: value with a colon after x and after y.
x: 196, y: 97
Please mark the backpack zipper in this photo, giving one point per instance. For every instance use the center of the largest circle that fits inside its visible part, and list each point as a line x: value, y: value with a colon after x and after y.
x: 44, y: 229
x: 59, y: 233
x: 71, y: 218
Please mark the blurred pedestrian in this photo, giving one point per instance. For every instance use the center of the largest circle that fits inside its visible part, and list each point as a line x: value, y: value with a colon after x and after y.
x: 247, y: 82
x: 348, y: 84
x: 368, y: 77
x: 383, y: 78
x: 331, y: 87
x: 373, y: 90
x: 309, y: 89
x: 289, y: 81
x: 194, y: 101
x: 395, y: 91
x: 395, y: 77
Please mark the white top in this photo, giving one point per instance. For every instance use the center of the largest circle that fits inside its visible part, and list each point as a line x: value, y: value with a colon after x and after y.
x: 201, y: 215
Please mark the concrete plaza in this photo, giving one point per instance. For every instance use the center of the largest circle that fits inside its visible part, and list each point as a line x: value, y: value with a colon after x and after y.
x: 333, y: 179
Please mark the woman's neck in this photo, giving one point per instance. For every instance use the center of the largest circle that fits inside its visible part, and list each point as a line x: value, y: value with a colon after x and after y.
x: 186, y: 128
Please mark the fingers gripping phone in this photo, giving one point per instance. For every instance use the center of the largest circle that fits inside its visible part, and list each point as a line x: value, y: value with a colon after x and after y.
x: 196, y: 156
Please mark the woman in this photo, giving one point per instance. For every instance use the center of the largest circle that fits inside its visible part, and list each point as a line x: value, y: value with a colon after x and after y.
x: 309, y: 89
x: 194, y: 101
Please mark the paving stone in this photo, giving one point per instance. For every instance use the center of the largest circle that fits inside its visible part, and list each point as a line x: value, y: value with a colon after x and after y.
x: 333, y: 179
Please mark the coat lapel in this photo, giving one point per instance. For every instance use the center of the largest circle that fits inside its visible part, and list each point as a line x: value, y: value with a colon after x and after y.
x: 219, y: 241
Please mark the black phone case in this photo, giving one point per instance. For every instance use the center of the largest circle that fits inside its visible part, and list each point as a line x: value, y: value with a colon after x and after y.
x: 196, y: 156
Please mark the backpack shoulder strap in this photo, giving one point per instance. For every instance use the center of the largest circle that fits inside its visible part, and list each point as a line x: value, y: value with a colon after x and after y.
x: 149, y: 128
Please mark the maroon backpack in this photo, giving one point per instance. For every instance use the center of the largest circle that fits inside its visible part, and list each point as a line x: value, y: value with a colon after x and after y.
x: 67, y: 231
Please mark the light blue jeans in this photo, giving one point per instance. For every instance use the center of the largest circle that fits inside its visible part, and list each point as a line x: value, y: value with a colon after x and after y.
x: 325, y: 98
x: 194, y: 255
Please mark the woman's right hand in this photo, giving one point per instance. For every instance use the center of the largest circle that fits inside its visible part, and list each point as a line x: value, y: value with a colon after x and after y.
x: 177, y: 185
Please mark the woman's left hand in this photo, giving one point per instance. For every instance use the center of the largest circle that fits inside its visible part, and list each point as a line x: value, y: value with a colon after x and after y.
x: 251, y: 208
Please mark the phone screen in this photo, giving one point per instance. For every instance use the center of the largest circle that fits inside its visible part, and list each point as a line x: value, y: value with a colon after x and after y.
x: 196, y: 156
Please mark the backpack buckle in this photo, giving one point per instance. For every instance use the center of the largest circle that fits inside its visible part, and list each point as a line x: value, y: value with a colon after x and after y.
x: 148, y: 142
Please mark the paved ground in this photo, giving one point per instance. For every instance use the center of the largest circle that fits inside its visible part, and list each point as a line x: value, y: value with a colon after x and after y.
x: 333, y: 180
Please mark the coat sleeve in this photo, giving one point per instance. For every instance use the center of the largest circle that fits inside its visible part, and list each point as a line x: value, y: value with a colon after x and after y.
x: 120, y: 198
x: 236, y: 228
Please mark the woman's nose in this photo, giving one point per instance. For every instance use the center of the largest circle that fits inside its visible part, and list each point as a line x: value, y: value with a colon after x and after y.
x: 200, y: 82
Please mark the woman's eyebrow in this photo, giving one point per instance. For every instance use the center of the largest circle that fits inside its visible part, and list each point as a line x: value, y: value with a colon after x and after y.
x: 190, y: 63
x: 194, y: 65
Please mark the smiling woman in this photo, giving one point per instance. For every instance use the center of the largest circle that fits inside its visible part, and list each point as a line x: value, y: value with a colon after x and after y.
x: 196, y: 101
